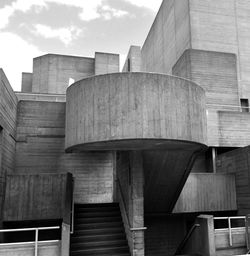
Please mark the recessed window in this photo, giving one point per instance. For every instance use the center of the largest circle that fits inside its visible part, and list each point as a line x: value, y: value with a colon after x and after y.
x: 129, y: 65
x: 244, y: 105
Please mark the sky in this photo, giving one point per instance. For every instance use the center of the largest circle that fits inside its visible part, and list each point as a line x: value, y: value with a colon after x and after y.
x: 31, y: 28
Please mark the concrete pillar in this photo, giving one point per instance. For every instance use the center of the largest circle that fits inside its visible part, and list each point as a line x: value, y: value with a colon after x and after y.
x: 136, y: 208
x: 206, y: 242
x: 65, y: 240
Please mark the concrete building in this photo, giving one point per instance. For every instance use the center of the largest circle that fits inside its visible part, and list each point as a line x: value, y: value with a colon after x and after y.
x: 153, y: 160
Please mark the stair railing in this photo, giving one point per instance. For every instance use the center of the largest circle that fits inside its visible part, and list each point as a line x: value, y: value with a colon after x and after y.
x: 126, y: 217
x: 36, y: 242
x: 72, y: 208
x: 123, y: 202
x: 230, y: 229
x: 186, y: 238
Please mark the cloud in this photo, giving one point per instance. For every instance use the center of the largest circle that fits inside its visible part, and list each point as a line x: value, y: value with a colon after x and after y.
x: 89, y: 9
x: 66, y: 35
x: 154, y: 5
x: 20, y: 5
x: 108, y: 12
x: 23, y: 54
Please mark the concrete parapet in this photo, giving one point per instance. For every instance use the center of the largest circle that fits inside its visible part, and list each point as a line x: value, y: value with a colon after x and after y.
x: 136, y: 111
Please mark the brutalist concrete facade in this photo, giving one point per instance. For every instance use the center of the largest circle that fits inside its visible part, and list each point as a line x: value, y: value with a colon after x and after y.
x: 158, y: 139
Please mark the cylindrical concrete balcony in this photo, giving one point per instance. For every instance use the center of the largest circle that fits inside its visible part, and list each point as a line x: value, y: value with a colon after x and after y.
x: 135, y: 111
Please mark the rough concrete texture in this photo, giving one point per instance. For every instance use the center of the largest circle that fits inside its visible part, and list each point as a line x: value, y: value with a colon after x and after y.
x: 51, y: 72
x: 215, y: 72
x: 8, y: 116
x: 169, y: 36
x: 27, y: 82
x: 119, y: 110
x: 203, y: 25
x: 133, y: 60
x: 40, y: 149
x: 44, y: 249
x: 222, y: 26
x: 209, y: 192
x: 106, y: 63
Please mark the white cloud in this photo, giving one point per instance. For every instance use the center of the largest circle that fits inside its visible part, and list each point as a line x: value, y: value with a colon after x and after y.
x: 16, y: 56
x: 18, y: 5
x: 66, y: 34
x: 89, y: 8
x: 109, y: 12
x: 154, y: 5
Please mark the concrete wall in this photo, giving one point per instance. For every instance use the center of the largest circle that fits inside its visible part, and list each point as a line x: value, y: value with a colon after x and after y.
x: 130, y: 179
x: 44, y: 249
x: 163, y: 234
x: 228, y: 128
x: 8, y: 111
x: 106, y: 63
x: 38, y: 197
x: 207, y: 192
x: 133, y: 60
x: 215, y: 72
x: 202, y: 241
x: 51, y: 72
x: 40, y: 149
x: 169, y: 36
x: 223, y: 26
x: 237, y: 162
x: 27, y: 82
x: 118, y: 111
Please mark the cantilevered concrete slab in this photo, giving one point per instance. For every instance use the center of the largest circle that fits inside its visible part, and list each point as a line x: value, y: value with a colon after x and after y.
x: 135, y: 111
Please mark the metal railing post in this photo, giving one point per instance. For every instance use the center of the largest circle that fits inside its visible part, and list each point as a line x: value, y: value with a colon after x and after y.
x: 36, y: 242
x: 72, y: 208
x: 230, y: 232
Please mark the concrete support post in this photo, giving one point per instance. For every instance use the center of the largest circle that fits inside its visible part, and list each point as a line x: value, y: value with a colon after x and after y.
x: 136, y: 202
x: 206, y: 239
x: 65, y: 239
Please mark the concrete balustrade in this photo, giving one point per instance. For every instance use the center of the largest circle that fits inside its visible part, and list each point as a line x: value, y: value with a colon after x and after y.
x: 138, y: 111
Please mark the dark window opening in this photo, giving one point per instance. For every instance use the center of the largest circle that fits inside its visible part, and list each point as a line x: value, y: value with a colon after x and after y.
x: 129, y: 65
x: 244, y: 105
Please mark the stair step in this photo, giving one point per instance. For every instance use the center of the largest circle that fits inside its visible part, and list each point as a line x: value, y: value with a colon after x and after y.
x: 106, y: 225
x: 98, y: 231
x: 101, y: 251
x: 84, y: 214
x: 98, y: 237
x: 98, y: 244
x: 96, y: 205
x: 97, y: 220
x: 101, y: 210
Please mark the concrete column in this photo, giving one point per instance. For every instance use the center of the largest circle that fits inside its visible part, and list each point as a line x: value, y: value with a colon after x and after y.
x: 65, y: 240
x: 206, y: 235
x: 202, y: 241
x: 136, y: 213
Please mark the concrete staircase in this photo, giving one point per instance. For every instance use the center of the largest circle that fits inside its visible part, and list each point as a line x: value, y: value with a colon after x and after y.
x: 98, y: 230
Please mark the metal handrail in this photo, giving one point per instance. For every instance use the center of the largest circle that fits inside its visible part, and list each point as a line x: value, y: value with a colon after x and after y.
x: 126, y: 214
x: 186, y: 238
x: 72, y: 208
x: 30, y: 229
x: 229, y: 226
